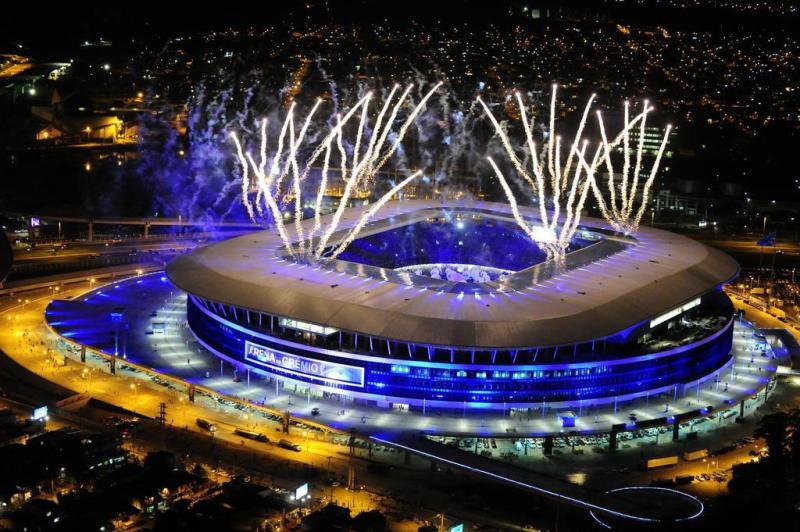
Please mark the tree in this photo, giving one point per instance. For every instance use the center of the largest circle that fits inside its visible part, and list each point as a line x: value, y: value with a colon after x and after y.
x: 199, y: 471
x: 372, y: 521
x: 794, y: 441
x: 774, y: 428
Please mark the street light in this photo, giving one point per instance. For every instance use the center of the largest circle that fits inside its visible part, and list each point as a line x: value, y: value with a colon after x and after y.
x: 135, y: 388
x: 87, y: 375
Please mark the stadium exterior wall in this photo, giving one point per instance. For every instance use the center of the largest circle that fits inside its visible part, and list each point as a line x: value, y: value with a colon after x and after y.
x: 392, y: 381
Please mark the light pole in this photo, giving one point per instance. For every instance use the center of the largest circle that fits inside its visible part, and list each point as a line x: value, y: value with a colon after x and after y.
x: 135, y: 388
x: 87, y: 375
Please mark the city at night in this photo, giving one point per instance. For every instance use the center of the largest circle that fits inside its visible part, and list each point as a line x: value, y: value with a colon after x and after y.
x: 360, y: 266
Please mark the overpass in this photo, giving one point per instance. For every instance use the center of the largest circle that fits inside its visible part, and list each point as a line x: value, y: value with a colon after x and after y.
x: 145, y: 222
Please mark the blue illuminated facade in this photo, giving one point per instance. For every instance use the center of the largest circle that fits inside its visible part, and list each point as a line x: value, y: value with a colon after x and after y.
x: 633, y: 363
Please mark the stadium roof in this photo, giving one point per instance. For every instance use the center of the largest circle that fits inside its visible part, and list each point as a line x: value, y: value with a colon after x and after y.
x: 651, y: 275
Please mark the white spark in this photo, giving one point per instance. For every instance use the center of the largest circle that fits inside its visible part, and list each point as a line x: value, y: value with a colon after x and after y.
x: 369, y: 156
x: 562, y: 187
x: 624, y: 211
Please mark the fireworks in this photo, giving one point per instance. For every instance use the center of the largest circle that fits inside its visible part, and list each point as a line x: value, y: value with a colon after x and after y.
x: 559, y: 172
x: 621, y: 210
x: 561, y: 186
x: 561, y: 190
x: 372, y: 148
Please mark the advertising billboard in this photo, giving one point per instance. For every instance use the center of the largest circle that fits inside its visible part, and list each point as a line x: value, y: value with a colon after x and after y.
x: 328, y: 372
x: 39, y: 413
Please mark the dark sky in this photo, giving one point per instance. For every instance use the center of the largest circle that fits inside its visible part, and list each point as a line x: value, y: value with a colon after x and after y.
x: 44, y: 25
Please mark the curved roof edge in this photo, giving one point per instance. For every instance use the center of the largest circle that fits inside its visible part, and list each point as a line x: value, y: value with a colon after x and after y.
x: 663, y: 271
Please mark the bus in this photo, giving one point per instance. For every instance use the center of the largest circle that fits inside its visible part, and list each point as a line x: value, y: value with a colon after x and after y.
x: 250, y: 435
x: 660, y: 462
x: 292, y: 446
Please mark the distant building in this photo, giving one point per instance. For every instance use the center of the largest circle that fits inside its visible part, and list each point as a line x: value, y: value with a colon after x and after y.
x: 667, y: 200
x: 71, y: 119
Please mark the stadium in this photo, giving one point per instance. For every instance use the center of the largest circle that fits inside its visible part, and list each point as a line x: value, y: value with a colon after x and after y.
x: 454, y: 306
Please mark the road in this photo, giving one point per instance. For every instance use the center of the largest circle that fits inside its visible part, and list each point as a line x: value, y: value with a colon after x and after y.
x: 83, y: 250
x: 21, y: 65
x: 749, y: 244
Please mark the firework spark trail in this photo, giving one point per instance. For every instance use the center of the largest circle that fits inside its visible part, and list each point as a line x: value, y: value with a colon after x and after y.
x: 608, y: 148
x: 266, y: 192
x: 379, y: 120
x: 245, y: 178
x: 367, y: 168
x: 622, y: 214
x: 368, y: 158
x: 360, y: 133
x: 579, y: 133
x: 265, y: 182
x: 573, y: 189
x: 298, y: 205
x: 260, y: 176
x: 279, y: 152
x: 649, y: 183
x: 626, y: 152
x: 404, y: 128
x: 366, y: 216
x: 510, y: 150
x: 551, y: 133
x: 537, y: 167
x: 323, y: 185
x: 274, y: 209
x: 638, y: 167
x: 612, y: 187
x: 294, y: 144
x: 573, y: 223
x: 350, y: 184
x: 555, y: 183
x: 337, y: 130
x: 539, y: 234
x: 342, y: 151
x: 265, y: 189
x: 379, y: 137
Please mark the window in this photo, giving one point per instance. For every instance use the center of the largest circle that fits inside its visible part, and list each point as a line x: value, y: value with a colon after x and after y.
x: 305, y: 326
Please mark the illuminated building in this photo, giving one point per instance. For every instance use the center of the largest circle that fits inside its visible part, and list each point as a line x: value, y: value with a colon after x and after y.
x: 628, y: 316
